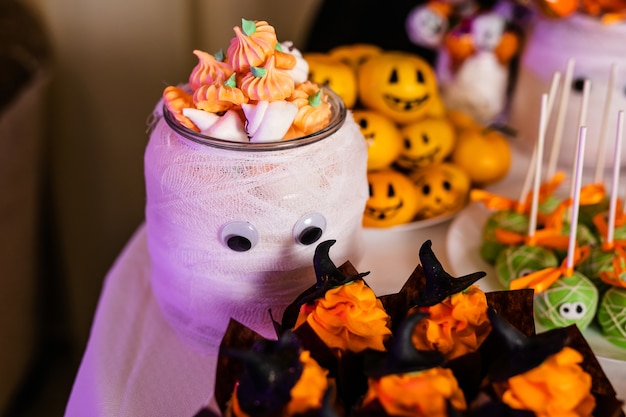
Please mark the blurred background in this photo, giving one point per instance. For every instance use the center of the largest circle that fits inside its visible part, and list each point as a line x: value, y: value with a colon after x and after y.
x: 78, y: 82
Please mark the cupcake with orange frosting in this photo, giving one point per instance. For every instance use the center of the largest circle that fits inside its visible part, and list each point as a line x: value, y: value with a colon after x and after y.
x: 343, y: 352
x: 410, y: 382
x: 540, y: 373
x: 260, y: 85
x: 279, y: 378
x: 457, y: 321
x: 342, y: 310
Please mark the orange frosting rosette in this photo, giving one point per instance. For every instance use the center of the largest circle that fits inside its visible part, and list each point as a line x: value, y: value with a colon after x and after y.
x: 176, y: 99
x: 267, y: 83
x: 309, y: 391
x: 348, y: 318
x: 307, y: 394
x: 416, y: 394
x: 220, y: 97
x: 253, y: 43
x: 559, y: 387
x: 314, y: 111
x: 209, y: 70
x: 456, y: 326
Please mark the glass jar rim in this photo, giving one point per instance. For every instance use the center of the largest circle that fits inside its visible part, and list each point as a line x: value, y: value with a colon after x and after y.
x: 338, y: 116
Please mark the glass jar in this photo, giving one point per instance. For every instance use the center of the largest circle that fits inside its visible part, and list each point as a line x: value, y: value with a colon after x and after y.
x: 232, y: 227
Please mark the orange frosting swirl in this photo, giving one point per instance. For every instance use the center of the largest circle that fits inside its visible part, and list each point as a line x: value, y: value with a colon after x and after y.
x: 348, y: 317
x: 217, y: 98
x: 272, y: 84
x: 285, y: 60
x: 176, y: 99
x: 456, y: 326
x: 417, y: 394
x: 559, y: 387
x: 307, y: 394
x: 251, y: 47
x: 312, y: 116
x: 208, y: 71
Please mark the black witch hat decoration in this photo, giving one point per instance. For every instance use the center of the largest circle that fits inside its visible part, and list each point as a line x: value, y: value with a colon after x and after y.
x: 270, y: 370
x: 403, y: 356
x: 439, y: 283
x: 326, y: 273
x: 524, y: 352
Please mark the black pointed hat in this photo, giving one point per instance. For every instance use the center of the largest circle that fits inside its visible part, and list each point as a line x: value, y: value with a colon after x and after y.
x: 524, y: 352
x: 403, y: 356
x: 327, y: 274
x: 270, y: 370
x: 439, y: 283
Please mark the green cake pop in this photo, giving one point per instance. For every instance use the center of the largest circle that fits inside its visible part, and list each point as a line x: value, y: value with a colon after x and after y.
x: 503, y: 219
x: 517, y: 261
x: 619, y: 232
x: 588, y: 211
x: 584, y: 237
x: 598, y: 261
x: 549, y: 204
x: 570, y: 300
x: 612, y: 316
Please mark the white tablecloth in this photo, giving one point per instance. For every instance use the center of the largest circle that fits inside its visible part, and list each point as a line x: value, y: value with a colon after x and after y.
x: 134, y: 364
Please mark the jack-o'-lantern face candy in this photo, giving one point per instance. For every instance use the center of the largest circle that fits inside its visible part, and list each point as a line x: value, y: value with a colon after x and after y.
x: 425, y: 142
x: 355, y: 54
x: 392, y: 201
x: 399, y: 85
x: 442, y: 189
x: 384, y: 142
x: 333, y: 73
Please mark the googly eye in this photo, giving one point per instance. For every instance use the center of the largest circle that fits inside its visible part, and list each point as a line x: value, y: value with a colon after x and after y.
x: 239, y: 236
x: 309, y: 228
x: 572, y: 311
x: 579, y: 84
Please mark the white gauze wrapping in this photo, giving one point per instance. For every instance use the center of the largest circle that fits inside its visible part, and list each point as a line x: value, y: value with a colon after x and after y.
x: 193, y: 190
x: 594, y: 47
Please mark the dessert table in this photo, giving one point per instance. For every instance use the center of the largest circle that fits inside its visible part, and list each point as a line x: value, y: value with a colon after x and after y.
x: 135, y: 365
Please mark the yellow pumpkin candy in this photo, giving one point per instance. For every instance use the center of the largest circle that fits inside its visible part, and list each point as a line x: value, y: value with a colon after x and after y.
x: 355, y: 54
x: 485, y: 154
x: 425, y: 142
x: 384, y: 142
x: 400, y: 85
x: 442, y: 189
x: 334, y: 74
x: 392, y: 201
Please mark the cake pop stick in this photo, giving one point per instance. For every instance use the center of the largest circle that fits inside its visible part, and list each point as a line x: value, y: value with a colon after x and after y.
x: 582, y: 119
x: 533, y: 159
x: 543, y: 116
x: 615, y: 184
x: 560, y: 120
x: 605, y: 116
x: 578, y: 170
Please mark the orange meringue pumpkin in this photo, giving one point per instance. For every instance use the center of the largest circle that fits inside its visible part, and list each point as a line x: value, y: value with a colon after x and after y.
x: 253, y: 43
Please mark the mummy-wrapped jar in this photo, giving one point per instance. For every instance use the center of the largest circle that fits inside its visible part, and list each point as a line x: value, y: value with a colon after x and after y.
x: 230, y: 225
